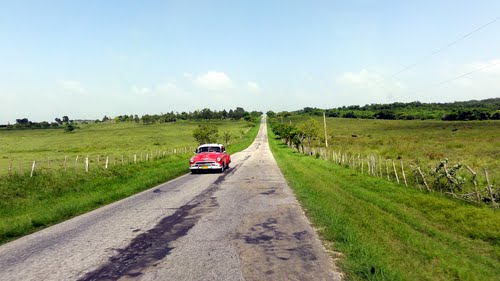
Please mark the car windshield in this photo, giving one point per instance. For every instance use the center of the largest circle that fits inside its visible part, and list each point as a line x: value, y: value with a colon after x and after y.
x: 209, y: 149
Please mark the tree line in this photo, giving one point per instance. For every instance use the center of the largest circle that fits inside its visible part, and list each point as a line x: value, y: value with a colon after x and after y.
x: 204, y: 114
x: 488, y: 109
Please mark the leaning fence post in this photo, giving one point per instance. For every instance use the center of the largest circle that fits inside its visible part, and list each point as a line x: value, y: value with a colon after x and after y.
x: 488, y: 187
x: 395, y: 172
x: 403, y: 171
x: 32, y: 169
x: 423, y: 178
x: 107, y: 161
x: 474, y: 181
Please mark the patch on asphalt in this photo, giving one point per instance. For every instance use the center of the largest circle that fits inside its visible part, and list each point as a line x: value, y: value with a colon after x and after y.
x: 150, y: 247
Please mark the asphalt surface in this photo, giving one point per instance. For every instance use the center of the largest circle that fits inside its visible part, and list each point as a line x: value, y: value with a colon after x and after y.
x: 244, y: 224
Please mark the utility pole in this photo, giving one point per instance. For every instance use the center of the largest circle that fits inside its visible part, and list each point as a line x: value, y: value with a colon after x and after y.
x: 324, y: 122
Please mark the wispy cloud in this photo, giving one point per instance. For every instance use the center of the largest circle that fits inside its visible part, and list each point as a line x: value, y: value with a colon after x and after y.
x: 252, y: 87
x: 141, y: 90
x: 167, y: 87
x: 71, y: 86
x: 369, y: 86
x: 214, y: 81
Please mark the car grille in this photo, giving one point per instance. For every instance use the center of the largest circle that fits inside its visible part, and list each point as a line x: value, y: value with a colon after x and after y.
x: 205, y: 163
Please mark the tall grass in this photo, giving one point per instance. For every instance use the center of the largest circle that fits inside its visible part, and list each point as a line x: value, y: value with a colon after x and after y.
x: 387, y: 232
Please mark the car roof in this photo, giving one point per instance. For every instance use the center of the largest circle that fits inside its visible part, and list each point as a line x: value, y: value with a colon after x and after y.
x: 210, y: 144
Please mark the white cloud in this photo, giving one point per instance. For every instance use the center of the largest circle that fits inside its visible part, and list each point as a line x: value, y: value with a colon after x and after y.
x: 214, y: 81
x: 141, y: 90
x: 487, y: 67
x: 369, y: 86
x: 168, y: 87
x: 71, y: 86
x: 474, y: 80
x: 187, y: 75
x: 253, y: 87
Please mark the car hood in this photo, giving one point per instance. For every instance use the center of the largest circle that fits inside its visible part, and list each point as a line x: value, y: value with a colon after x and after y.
x: 207, y: 156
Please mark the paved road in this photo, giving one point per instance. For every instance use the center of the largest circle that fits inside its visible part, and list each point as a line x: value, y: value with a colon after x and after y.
x: 244, y: 224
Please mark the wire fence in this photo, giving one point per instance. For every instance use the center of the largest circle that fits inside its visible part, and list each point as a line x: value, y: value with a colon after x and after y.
x: 85, y: 162
x: 457, y: 180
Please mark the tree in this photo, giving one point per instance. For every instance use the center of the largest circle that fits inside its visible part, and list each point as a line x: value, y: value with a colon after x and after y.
x: 227, y: 137
x: 310, y: 129
x: 69, y: 128
x: 206, y: 134
x: 65, y: 119
x: 271, y: 114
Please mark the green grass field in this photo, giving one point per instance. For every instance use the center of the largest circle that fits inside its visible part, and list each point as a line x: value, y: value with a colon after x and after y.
x: 384, y: 231
x: 418, y: 142
x: 28, y: 203
x: 49, y: 147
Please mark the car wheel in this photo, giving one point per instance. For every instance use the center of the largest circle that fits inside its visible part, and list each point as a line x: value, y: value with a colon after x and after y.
x: 222, y: 168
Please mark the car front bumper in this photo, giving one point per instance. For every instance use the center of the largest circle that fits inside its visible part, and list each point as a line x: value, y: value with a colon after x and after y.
x: 205, y: 166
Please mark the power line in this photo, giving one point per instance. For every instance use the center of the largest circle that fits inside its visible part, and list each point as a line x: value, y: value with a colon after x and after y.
x: 427, y: 57
x: 459, y: 76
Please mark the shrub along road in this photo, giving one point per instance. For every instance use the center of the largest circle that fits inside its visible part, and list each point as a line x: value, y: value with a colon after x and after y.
x: 242, y: 225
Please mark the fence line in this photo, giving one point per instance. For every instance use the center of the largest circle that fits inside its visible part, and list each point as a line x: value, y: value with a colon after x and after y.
x: 53, y: 164
x: 443, y: 179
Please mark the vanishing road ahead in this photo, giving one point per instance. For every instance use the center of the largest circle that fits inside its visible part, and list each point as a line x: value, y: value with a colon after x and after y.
x: 244, y: 224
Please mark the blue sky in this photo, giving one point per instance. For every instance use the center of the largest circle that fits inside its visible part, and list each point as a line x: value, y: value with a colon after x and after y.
x: 87, y: 59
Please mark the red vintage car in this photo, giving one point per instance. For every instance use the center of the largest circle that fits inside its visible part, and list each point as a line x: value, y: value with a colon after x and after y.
x: 210, y: 157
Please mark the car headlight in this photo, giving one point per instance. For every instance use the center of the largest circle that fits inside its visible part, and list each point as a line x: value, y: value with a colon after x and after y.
x: 218, y: 159
x: 191, y: 160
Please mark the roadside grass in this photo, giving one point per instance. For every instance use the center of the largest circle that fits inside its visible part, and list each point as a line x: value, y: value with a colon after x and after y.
x: 388, y: 232
x: 28, y: 204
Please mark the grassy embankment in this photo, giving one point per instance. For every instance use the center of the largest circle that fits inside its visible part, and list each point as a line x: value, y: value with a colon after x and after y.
x: 28, y: 204
x: 388, y: 232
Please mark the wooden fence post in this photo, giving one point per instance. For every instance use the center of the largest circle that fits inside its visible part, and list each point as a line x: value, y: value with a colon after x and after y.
x: 87, y: 164
x: 387, y: 170
x: 395, y: 172
x: 423, y: 178
x: 380, y: 167
x: 76, y: 161
x: 32, y: 169
x: 10, y: 168
x: 403, y: 171
x: 374, y: 167
x: 474, y: 181
x: 107, y: 161
x: 65, y: 161
x: 488, y: 187
x: 135, y: 158
x: 122, y: 159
